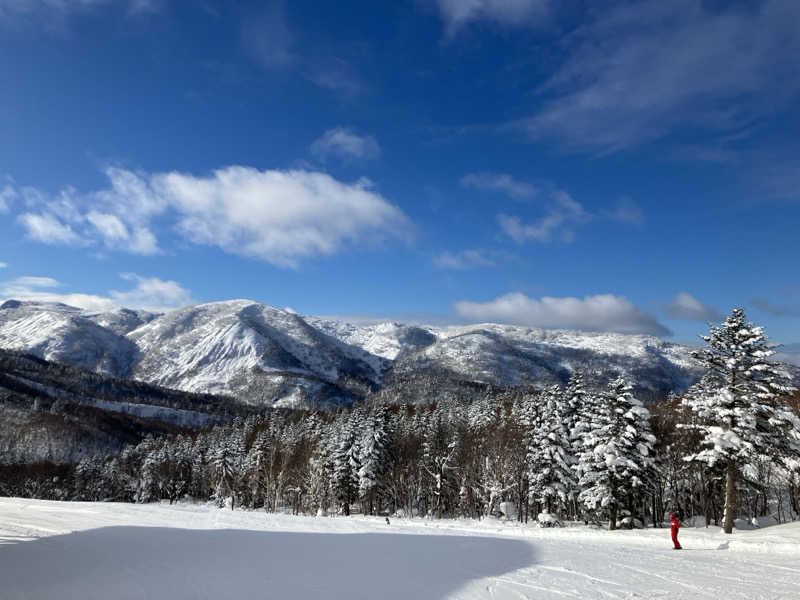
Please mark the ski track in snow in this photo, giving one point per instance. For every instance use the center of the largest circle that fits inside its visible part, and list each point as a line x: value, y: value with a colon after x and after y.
x: 106, y: 550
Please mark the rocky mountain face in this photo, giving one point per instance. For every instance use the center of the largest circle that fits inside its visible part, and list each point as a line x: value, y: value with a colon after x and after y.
x: 267, y: 356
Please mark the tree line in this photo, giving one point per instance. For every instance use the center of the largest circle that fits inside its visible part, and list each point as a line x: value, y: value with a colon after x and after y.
x: 728, y: 447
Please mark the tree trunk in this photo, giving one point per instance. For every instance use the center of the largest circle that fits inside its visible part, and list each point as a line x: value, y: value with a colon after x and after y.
x: 730, y: 497
x: 612, y: 518
x: 656, y: 520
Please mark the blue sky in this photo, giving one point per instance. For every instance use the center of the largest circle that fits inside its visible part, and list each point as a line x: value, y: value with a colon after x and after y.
x: 623, y: 166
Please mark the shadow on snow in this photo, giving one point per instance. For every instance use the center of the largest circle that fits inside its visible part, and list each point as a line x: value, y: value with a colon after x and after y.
x: 156, y: 562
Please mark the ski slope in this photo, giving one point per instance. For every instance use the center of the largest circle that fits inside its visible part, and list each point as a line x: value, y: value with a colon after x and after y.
x: 74, y: 550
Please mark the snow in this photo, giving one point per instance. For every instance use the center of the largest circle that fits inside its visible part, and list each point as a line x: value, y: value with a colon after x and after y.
x: 105, y: 550
x: 263, y: 354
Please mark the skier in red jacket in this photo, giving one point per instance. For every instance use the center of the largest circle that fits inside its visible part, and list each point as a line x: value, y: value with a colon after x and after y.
x: 674, y: 525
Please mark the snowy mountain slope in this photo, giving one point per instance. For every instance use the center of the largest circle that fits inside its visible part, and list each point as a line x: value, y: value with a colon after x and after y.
x: 386, y: 340
x: 65, y: 334
x: 123, y: 320
x: 255, y: 351
x: 265, y: 355
x: 509, y: 355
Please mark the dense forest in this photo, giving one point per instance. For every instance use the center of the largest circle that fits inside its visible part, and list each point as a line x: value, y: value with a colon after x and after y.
x: 728, y: 447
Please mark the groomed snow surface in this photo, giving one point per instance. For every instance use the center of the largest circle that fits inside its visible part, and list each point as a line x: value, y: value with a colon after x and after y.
x: 73, y: 550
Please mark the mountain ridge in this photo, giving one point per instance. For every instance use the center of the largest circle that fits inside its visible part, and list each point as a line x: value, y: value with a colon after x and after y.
x: 269, y: 356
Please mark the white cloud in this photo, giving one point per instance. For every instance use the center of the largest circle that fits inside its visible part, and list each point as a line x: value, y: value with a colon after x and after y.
x: 345, y: 143
x: 457, y: 13
x: 558, y: 224
x: 499, y: 182
x: 23, y: 283
x: 685, y: 306
x: 48, y: 229
x: 42, y: 289
x: 152, y: 293
x: 149, y: 294
x: 281, y: 217
x: 640, y: 70
x: 3, y: 265
x: 116, y: 235
x: 278, y: 216
x: 118, y: 216
x: 603, y: 312
x: 468, y: 259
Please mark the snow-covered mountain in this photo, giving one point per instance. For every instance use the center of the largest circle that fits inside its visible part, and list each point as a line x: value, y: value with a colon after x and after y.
x: 508, y: 355
x: 265, y: 355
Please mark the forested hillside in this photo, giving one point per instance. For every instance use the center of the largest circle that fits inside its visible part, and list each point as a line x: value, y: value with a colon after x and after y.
x: 58, y: 413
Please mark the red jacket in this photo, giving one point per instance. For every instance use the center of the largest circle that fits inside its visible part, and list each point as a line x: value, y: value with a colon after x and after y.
x: 674, y: 524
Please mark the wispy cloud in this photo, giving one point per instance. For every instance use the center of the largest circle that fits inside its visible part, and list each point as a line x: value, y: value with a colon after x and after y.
x: 346, y: 144
x: 470, y: 259
x: 275, y: 45
x: 640, y: 70
x: 148, y: 293
x: 282, y: 217
x: 3, y: 265
x: 335, y: 74
x: 777, y: 310
x: 603, y: 312
x: 118, y: 216
x: 501, y: 182
x: 48, y: 229
x: 685, y: 306
x: 626, y: 211
x: 53, y: 14
x: 563, y: 216
x: 268, y: 39
x: 458, y: 13
x: 7, y: 195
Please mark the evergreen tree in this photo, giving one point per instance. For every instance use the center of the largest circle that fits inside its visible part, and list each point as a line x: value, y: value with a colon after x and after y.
x: 618, y: 451
x: 739, y: 404
x: 226, y: 467
x: 373, y: 458
x: 549, y: 453
x: 345, y: 467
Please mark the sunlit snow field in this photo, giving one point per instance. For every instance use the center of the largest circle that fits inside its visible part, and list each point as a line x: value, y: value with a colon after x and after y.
x: 77, y: 550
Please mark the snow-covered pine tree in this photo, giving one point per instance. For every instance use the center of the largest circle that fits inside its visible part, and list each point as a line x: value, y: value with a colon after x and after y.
x: 549, y: 456
x: 255, y: 465
x: 225, y: 458
x: 739, y: 405
x: 149, y: 483
x: 373, y: 459
x: 617, y: 451
x: 573, y: 399
x: 345, y: 466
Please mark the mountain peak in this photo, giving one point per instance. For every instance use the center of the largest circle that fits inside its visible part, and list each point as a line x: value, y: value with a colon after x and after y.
x: 273, y: 356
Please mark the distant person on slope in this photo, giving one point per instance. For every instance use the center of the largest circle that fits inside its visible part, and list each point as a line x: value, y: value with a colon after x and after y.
x: 674, y: 525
